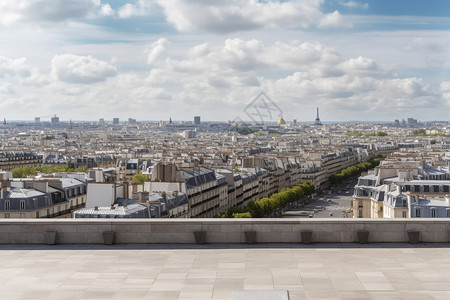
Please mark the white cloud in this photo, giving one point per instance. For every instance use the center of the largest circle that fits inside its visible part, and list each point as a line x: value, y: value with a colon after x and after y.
x: 445, y: 86
x: 13, y: 11
x: 237, y: 15
x: 354, y: 4
x: 14, y: 67
x: 228, y: 74
x: 141, y: 8
x: 333, y: 19
x: 434, y: 53
x: 106, y: 10
x: 157, y: 51
x: 6, y: 89
x: 219, y: 75
x: 81, y: 69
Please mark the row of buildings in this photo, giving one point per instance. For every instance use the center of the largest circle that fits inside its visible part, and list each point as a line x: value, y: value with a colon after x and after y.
x: 408, y: 184
x: 196, y: 175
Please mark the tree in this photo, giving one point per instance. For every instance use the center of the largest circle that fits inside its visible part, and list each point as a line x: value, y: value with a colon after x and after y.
x: 242, y: 215
x: 140, y: 178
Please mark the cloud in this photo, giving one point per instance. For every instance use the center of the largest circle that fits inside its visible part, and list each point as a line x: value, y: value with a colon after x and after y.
x: 141, y: 8
x: 434, y: 53
x: 6, y: 89
x: 81, y: 69
x: 157, y: 51
x: 236, y: 15
x: 222, y: 75
x: 225, y: 74
x: 354, y: 4
x: 333, y: 19
x: 48, y: 10
x: 14, y: 67
x: 106, y: 10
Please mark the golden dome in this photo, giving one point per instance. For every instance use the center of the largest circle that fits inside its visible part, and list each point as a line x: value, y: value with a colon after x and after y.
x: 281, y: 121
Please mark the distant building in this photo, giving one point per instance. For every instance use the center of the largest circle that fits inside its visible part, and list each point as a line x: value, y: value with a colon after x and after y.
x: 317, y: 121
x: 412, y: 122
x: 281, y: 121
x: 197, y: 120
x: 101, y: 122
x: 55, y: 120
x: 131, y: 121
x: 11, y: 160
x: 115, y: 121
x: 189, y: 134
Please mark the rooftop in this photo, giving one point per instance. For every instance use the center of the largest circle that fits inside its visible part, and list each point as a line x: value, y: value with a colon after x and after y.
x: 318, y: 271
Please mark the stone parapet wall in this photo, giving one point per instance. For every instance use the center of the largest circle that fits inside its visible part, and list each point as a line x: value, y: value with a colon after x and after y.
x: 220, y: 231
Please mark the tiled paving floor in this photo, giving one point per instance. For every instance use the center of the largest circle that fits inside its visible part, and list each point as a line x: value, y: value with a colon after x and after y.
x: 320, y: 271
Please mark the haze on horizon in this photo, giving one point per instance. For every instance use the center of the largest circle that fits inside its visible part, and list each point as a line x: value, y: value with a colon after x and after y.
x: 155, y: 59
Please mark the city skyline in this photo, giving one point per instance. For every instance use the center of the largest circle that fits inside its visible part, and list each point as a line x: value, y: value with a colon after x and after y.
x: 151, y: 60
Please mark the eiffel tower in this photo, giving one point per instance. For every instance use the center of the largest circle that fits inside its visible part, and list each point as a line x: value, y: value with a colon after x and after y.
x: 317, y: 121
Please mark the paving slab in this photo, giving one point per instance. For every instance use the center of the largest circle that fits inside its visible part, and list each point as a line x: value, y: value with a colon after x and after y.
x: 319, y: 271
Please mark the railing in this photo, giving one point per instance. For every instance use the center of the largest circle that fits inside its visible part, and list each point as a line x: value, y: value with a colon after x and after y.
x: 220, y: 231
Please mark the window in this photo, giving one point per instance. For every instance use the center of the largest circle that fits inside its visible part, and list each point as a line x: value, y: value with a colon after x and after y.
x: 7, y: 205
x: 37, y: 215
x: 360, y: 213
x: 403, y: 214
x: 448, y: 213
x: 7, y: 216
x: 22, y: 204
x: 433, y: 213
x: 22, y: 216
x: 417, y: 213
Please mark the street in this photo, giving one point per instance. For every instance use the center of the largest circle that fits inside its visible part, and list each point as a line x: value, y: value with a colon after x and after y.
x: 328, y: 204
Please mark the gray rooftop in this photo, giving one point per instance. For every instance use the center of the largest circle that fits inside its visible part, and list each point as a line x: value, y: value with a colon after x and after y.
x: 321, y: 271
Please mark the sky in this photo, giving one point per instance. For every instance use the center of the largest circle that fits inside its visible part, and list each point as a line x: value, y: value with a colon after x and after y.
x: 155, y: 59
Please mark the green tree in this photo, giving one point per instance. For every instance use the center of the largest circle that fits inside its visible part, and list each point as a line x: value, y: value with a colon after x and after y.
x: 140, y: 178
x: 242, y: 215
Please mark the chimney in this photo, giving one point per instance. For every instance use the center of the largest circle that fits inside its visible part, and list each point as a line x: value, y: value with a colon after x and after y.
x: 96, y: 208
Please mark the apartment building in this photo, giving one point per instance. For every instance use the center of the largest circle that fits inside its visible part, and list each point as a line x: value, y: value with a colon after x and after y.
x: 402, y: 186
x: 41, y: 198
x: 17, y: 159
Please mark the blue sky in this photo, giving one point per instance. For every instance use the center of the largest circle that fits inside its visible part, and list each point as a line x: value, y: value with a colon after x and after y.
x: 155, y: 59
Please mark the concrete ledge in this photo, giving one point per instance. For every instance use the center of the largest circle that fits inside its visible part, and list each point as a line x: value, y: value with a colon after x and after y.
x: 220, y: 231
